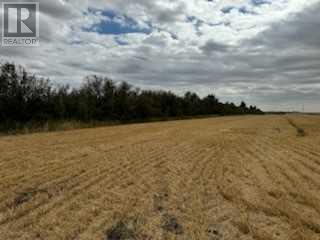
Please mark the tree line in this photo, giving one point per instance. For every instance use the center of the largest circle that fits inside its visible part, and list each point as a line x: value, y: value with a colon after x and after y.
x: 26, y: 98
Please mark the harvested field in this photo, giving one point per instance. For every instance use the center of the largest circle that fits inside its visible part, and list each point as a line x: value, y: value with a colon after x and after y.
x: 252, y: 177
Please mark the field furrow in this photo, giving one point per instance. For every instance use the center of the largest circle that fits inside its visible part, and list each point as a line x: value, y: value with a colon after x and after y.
x: 248, y: 177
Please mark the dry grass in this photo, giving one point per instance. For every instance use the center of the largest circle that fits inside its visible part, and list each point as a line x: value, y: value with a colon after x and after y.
x: 217, y: 179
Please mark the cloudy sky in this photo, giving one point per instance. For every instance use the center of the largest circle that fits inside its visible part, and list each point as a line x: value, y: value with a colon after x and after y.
x: 266, y: 52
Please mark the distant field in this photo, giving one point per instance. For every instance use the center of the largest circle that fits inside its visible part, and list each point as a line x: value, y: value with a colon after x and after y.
x: 248, y: 177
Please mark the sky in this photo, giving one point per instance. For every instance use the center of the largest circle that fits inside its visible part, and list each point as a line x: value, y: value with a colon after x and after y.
x: 264, y: 52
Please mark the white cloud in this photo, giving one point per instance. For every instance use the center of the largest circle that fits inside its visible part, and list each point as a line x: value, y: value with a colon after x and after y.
x: 266, y: 54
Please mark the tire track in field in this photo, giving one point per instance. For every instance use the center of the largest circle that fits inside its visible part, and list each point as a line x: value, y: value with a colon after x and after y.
x: 89, y: 175
x: 256, y: 201
x: 300, y: 168
x: 312, y: 224
x: 71, y: 161
x: 45, y: 170
x: 292, y: 194
x: 162, y: 175
x: 191, y: 183
x: 150, y: 175
x: 292, y: 158
x: 82, y: 188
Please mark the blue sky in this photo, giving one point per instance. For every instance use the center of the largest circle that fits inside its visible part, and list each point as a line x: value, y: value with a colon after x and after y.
x: 116, y: 24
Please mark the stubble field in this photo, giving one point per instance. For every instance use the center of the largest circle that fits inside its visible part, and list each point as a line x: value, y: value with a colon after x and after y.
x: 251, y: 177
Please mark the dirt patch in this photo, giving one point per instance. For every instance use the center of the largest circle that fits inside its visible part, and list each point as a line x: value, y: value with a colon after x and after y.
x: 214, y: 233
x: 300, y: 131
x: 159, y: 201
x: 27, y: 195
x: 172, y: 225
x: 121, y: 231
x: 127, y: 229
